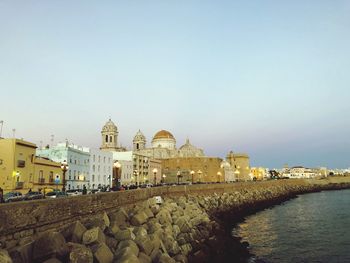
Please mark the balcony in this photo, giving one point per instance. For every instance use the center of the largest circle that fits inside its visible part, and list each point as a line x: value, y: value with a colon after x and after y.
x: 19, y: 185
x: 41, y: 180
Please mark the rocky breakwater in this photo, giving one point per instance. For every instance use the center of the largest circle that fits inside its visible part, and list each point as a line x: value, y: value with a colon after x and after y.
x: 156, y: 230
x: 190, y: 228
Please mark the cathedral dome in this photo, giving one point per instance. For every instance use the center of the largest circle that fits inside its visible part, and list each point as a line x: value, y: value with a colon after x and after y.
x: 188, y: 150
x: 109, y: 127
x: 163, y: 134
x: 164, y: 139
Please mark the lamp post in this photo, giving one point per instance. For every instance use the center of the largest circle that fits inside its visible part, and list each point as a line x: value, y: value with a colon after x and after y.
x: 178, y: 177
x: 155, y: 171
x: 116, y: 178
x: 192, y: 173
x: 199, y: 175
x: 164, y: 176
x: 136, y: 172
x: 219, y: 176
x: 237, y: 174
x: 64, y: 167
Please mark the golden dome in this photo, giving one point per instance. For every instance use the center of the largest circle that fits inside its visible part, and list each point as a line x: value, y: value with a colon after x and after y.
x: 163, y: 134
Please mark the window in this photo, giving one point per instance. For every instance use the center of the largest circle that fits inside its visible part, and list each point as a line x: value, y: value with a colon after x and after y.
x: 21, y: 163
x: 41, y: 174
x: 110, y: 138
x: 99, y: 159
x: 104, y: 159
x: 93, y: 168
x: 93, y: 157
x: 93, y: 178
x: 51, y: 176
x: 106, y: 138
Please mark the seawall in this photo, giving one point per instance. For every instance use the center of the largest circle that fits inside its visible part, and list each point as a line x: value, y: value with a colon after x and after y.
x: 192, y: 223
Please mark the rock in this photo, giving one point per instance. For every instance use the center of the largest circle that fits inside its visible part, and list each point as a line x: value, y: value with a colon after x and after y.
x: 112, y: 244
x: 183, y: 224
x: 165, y: 258
x: 140, y: 232
x: 23, y: 253
x: 155, y: 209
x: 52, y: 260
x: 126, y: 255
x: 74, y: 232
x: 180, y: 258
x: 96, y: 222
x: 176, y: 230
x: 102, y: 253
x: 145, y: 245
x: 94, y: 235
x: 125, y: 235
x: 50, y: 244
x: 119, y: 217
x: 106, y: 220
x: 130, y: 244
x: 79, y: 253
x: 148, y: 212
x: 139, y: 219
x: 185, y: 249
x: 143, y: 258
x: 164, y: 216
x: 4, y: 256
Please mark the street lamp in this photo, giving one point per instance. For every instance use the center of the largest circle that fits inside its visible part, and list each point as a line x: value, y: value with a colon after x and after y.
x: 237, y: 174
x: 64, y: 167
x: 178, y: 177
x: 200, y: 175
x: 136, y: 172
x: 219, y: 176
x: 192, y: 173
x: 155, y: 171
x: 116, y: 178
x: 164, y: 176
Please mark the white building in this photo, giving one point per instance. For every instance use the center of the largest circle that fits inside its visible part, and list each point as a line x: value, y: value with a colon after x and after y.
x: 78, y: 174
x: 125, y: 159
x: 101, y: 169
x: 300, y: 172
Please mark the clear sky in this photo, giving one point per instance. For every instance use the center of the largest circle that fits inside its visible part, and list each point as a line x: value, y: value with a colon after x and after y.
x: 269, y: 78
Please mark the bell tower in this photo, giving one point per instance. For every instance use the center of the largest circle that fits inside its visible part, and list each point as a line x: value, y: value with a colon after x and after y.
x: 109, y: 137
x: 139, y: 141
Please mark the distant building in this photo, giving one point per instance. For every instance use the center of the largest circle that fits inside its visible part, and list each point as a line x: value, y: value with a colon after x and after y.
x: 240, y: 163
x: 21, y: 170
x: 259, y: 173
x: 109, y: 135
x: 78, y: 159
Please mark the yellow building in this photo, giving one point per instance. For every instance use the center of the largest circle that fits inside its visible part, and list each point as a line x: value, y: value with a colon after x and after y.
x: 206, y: 169
x: 240, y: 163
x: 21, y: 170
x: 259, y: 173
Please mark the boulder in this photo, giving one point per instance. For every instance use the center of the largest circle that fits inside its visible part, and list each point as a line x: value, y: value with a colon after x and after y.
x: 52, y: 260
x: 94, y: 235
x: 180, y: 258
x: 164, y: 216
x: 186, y: 249
x: 102, y: 253
x: 50, y: 244
x: 130, y: 244
x: 165, y: 258
x: 112, y: 243
x: 74, y: 232
x: 143, y: 258
x: 23, y: 253
x: 128, y: 259
x: 139, y: 218
x: 119, y: 217
x: 4, y: 256
x: 145, y: 245
x: 125, y: 235
x: 96, y: 222
x: 183, y: 224
x: 79, y: 253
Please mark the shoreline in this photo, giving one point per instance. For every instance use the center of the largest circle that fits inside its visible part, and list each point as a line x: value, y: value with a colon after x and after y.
x: 230, y: 248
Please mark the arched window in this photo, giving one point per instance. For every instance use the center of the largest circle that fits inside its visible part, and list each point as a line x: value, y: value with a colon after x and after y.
x: 137, y: 146
x: 110, y: 139
x: 106, y: 138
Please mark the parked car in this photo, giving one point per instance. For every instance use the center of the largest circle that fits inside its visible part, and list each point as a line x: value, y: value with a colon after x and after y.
x: 13, y: 197
x: 56, y: 194
x: 33, y: 195
x: 74, y: 192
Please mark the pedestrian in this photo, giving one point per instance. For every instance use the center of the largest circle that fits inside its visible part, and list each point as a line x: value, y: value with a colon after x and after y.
x: 84, y: 190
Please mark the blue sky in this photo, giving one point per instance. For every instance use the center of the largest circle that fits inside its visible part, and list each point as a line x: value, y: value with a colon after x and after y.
x: 270, y: 78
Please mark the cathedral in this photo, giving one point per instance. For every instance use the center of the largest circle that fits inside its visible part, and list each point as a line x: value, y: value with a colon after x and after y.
x: 163, y: 146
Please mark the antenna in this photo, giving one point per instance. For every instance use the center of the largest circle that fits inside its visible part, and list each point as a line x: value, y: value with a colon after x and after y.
x: 14, y: 133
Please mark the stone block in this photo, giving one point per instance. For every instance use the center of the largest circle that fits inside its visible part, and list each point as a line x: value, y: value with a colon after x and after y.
x: 74, y: 232
x: 164, y: 216
x: 145, y: 245
x: 94, y: 235
x: 95, y: 222
x: 180, y: 258
x: 139, y: 218
x: 23, y: 253
x: 165, y: 258
x: 102, y: 253
x: 79, y: 253
x: 119, y: 217
x: 130, y: 244
x: 4, y: 256
x: 50, y: 244
x: 125, y: 234
x: 143, y: 258
x: 183, y: 224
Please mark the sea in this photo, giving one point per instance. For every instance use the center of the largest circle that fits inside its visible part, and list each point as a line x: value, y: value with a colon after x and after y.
x: 313, y: 227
